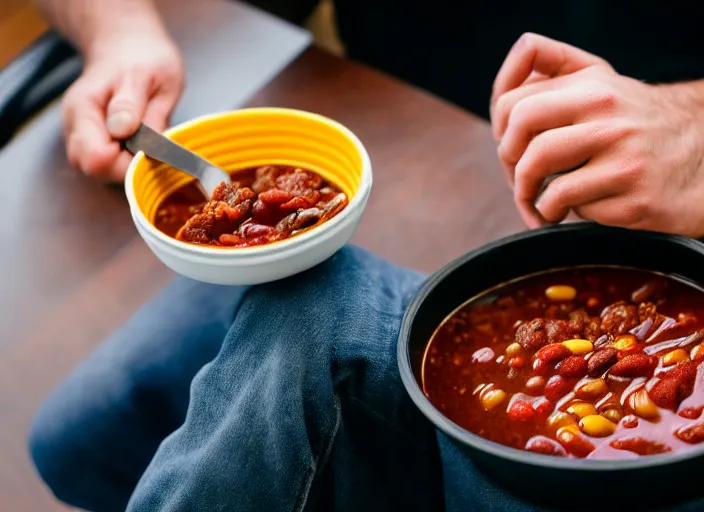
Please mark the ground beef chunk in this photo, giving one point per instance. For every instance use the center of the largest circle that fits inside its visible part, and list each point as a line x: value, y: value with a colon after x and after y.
x: 222, y: 214
x: 540, y: 331
x: 265, y: 178
x: 282, y: 202
x: 558, y: 330
x: 532, y: 335
x: 619, y: 318
x: 592, y: 330
x: 584, y: 326
x: 578, y: 319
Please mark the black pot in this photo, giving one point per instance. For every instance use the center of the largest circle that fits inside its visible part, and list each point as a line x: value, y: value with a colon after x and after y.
x: 643, y: 483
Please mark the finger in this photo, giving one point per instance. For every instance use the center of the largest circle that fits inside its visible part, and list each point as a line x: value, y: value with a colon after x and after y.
x: 533, y: 52
x: 591, y: 183
x: 535, y: 77
x: 504, y: 106
x: 90, y: 150
x: 89, y: 146
x: 545, y: 111
x: 84, y: 97
x: 555, y: 151
x: 159, y: 109
x: 128, y: 104
x: 625, y: 210
x: 116, y: 172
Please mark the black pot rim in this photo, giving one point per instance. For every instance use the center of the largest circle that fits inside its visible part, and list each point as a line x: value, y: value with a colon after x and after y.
x: 476, y: 442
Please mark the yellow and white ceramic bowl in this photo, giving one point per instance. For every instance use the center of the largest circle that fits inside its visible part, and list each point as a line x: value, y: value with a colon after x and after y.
x: 249, y: 138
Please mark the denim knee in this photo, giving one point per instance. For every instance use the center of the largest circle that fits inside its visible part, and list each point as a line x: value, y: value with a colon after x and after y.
x: 54, y: 446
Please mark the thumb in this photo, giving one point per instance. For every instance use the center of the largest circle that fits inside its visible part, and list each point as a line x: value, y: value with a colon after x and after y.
x: 126, y: 108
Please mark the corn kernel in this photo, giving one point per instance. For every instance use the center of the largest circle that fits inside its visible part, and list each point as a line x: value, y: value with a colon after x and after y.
x: 513, y: 349
x: 579, y: 347
x: 625, y: 342
x: 561, y: 293
x: 593, y: 389
x: 612, y: 415
x: 582, y: 409
x: 675, y: 357
x: 643, y: 406
x: 697, y: 353
x: 558, y: 419
x: 492, y: 398
x: 596, y: 426
x: 573, y: 428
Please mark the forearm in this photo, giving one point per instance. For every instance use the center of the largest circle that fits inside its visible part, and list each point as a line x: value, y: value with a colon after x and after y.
x: 90, y: 24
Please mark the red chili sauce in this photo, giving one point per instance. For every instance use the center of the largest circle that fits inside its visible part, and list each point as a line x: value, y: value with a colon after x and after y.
x: 589, y: 362
x: 261, y: 205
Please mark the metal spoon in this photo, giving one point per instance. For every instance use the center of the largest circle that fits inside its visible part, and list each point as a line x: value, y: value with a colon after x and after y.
x: 158, y: 147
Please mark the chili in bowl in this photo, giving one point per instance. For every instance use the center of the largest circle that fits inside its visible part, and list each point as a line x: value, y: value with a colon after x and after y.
x: 563, y: 370
x: 300, y: 183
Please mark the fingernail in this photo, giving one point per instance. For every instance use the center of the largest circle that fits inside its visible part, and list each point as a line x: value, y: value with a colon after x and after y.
x: 120, y: 123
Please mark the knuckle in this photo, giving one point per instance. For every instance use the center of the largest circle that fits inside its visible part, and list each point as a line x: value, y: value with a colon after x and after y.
x: 142, y: 69
x: 503, y: 103
x: 602, y: 96
x: 504, y: 152
x: 527, y: 40
x: 631, y: 170
x: 526, y: 167
x: 636, y: 211
x: 523, y: 113
x: 622, y: 130
x: 559, y: 191
x: 537, y: 152
x: 608, y: 132
x: 93, y: 164
x: 122, y: 102
x: 71, y: 98
x: 605, y: 99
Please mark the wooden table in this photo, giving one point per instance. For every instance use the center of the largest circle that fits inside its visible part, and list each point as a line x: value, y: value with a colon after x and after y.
x: 74, y: 269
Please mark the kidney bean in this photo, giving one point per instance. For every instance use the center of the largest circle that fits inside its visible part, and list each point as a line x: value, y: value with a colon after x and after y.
x: 553, y: 353
x: 601, y: 360
x: 572, y: 367
x: 692, y: 434
x: 521, y: 411
x: 275, y: 196
x: 640, y: 445
x: 557, y: 387
x: 634, y: 365
x: 691, y: 413
x: 546, y: 446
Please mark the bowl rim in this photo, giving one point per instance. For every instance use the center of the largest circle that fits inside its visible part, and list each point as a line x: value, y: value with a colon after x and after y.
x: 358, y: 200
x: 476, y: 442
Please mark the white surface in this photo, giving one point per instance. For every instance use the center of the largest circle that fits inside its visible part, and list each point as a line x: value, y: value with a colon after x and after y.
x: 233, y: 52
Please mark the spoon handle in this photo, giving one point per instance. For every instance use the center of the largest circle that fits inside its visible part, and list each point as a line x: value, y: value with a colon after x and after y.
x: 160, y: 148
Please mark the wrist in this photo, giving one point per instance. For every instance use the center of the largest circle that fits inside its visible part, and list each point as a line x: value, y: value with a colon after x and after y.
x: 135, y: 21
x: 687, y: 98
x: 683, y: 111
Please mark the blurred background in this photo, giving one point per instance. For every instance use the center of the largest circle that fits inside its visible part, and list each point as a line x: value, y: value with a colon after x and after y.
x: 21, y: 24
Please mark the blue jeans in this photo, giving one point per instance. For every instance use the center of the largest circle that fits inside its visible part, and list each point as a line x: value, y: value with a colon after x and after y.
x: 281, y: 397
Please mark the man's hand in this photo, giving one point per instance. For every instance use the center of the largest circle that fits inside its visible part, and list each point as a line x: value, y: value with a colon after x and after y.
x: 638, y: 148
x: 126, y: 80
